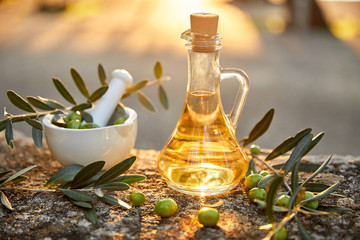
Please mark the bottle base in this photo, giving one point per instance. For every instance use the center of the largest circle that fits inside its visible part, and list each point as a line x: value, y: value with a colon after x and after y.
x: 202, y: 192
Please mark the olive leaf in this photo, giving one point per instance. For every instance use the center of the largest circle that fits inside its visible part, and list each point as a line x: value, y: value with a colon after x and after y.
x: 319, y: 170
x: 299, y: 151
x: 114, y: 201
x: 303, y: 167
x: 322, y: 194
x: 115, y: 186
x: 18, y: 174
x: 102, y: 75
x: 129, y: 179
x: 251, y: 169
x: 81, y: 106
x: 79, y: 82
x: 9, y: 134
x: 37, y: 136
x: 86, y: 117
x: 98, y: 93
x: 275, y: 184
x: 63, y: 91
x: 115, y: 171
x: 52, y: 103
x: 265, y: 181
x: 163, y: 97
x: 5, y: 201
x: 86, y: 173
x: 333, y: 209
x: 158, y: 70
x: 260, y: 128
x: 64, y: 175
x: 77, y: 195
x: 39, y: 103
x: 315, y: 141
x: 294, y: 184
x: 82, y: 204
x: 288, y: 144
x: 18, y: 179
x: 98, y: 192
x: 90, y: 214
x: 315, y: 187
x: 19, y: 102
x: 3, y: 123
x: 34, y: 123
x: 262, y: 205
x: 305, y: 235
x: 4, y: 173
x: 145, y: 101
x: 137, y: 86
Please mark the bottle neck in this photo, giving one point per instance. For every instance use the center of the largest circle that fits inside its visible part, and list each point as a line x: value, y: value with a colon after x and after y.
x: 203, y: 71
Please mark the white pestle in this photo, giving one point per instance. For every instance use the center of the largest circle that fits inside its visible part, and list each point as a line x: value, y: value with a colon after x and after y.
x: 106, y: 105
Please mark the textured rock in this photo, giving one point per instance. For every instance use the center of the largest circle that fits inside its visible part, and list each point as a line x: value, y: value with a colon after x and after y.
x: 46, y: 215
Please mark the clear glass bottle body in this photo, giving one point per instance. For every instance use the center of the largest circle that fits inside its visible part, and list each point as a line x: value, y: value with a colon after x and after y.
x: 203, y: 156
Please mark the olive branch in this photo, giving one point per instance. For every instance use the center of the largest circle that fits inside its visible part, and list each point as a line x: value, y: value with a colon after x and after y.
x: 50, y: 106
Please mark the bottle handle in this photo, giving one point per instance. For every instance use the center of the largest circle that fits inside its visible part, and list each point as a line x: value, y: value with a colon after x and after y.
x: 240, y: 75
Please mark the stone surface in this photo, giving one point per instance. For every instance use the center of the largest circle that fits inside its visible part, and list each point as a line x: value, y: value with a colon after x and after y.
x: 46, y: 215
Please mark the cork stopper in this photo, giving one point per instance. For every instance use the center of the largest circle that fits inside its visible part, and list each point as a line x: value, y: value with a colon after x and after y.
x: 204, y: 23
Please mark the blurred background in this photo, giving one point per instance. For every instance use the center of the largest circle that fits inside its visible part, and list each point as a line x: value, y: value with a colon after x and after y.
x: 302, y: 57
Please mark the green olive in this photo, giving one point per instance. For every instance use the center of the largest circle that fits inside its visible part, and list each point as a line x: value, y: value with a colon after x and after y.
x: 208, y: 217
x: 75, y: 124
x: 166, y: 207
x: 120, y: 120
x: 257, y: 193
x: 89, y: 126
x: 281, y: 234
x: 283, y: 201
x: 252, y: 180
x: 312, y: 204
x: 255, y: 149
x: 75, y: 115
x: 137, y: 198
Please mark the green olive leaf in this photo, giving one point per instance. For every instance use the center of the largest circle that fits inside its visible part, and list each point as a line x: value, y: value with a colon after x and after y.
x: 266, y: 181
x: 315, y: 141
x: 63, y: 91
x: 322, y: 194
x: 37, y: 136
x: 319, y: 170
x: 299, y: 151
x: 76, y: 195
x: 303, y: 167
x: 52, y: 103
x: 252, y: 168
x: 145, y: 101
x: 115, y: 171
x: 114, y: 186
x: 315, y: 187
x: 19, y: 173
x: 294, y: 184
x: 19, y: 102
x: 86, y: 117
x: 90, y: 214
x: 334, y: 209
x: 262, y: 205
x: 260, y: 128
x: 86, y: 173
x: 275, y: 184
x: 79, y: 82
x: 81, y: 106
x: 129, y: 179
x: 288, y: 144
x: 114, y: 201
x: 4, y: 174
x: 98, y: 93
x: 3, y: 123
x: 39, y: 103
x: 64, y: 175
x: 9, y: 134
x: 305, y: 235
x: 82, y: 204
x: 137, y: 86
x: 163, y: 97
x: 18, y: 179
x: 158, y: 70
x: 5, y: 201
x: 102, y: 75
x: 34, y: 123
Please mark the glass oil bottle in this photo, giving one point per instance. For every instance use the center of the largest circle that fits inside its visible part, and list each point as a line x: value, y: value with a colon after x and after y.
x: 202, y: 156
